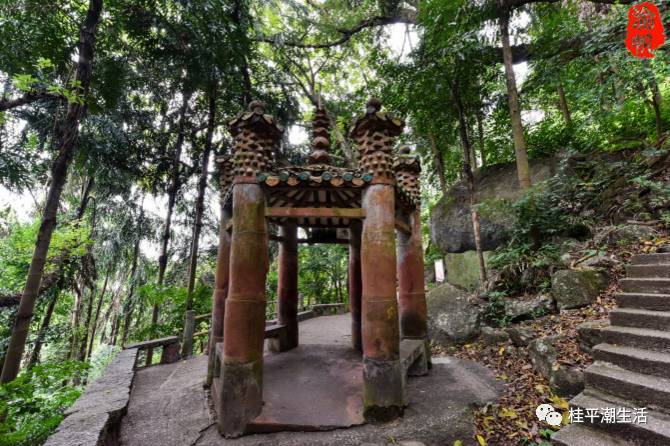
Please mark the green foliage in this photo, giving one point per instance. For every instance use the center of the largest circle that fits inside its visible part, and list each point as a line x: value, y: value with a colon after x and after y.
x: 100, y: 359
x: 16, y: 248
x: 494, y: 313
x: 525, y: 269
x: 172, y: 302
x: 322, y: 273
x: 32, y: 405
x: 587, y: 191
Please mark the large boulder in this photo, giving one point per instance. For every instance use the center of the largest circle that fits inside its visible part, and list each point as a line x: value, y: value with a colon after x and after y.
x: 590, y: 334
x: 494, y: 336
x: 622, y: 234
x: 520, y: 336
x: 564, y: 381
x: 577, y: 288
x: 528, y: 307
x: 453, y: 316
x: 463, y: 268
x: 497, y: 187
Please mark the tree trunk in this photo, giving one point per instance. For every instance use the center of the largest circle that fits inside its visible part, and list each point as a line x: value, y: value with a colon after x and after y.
x: 129, y: 304
x: 522, y: 167
x: 438, y: 163
x: 87, y: 325
x: 656, y: 101
x: 172, y: 197
x: 74, y: 321
x: 187, y: 344
x: 563, y: 104
x: 480, y: 134
x: 68, y: 133
x: 94, y: 325
x: 35, y: 355
x: 85, y: 197
x: 469, y: 177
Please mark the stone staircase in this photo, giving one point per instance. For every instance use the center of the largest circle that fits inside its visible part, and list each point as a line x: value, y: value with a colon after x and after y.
x: 632, y: 365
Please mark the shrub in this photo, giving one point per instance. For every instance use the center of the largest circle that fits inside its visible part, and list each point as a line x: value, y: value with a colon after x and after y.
x: 32, y: 405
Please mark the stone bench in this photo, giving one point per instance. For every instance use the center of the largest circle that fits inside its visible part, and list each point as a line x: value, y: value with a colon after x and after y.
x: 171, y: 348
x: 94, y: 419
x: 413, y: 357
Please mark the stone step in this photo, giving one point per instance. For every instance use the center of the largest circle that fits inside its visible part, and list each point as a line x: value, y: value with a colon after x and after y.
x: 643, y: 390
x: 634, y: 359
x: 581, y: 435
x: 646, y: 285
x: 656, y: 431
x: 659, y: 270
x: 635, y: 317
x: 660, y: 302
x: 650, y: 259
x: 637, y: 337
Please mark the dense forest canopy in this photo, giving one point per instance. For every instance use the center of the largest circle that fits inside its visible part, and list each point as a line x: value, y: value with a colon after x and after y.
x: 113, y: 113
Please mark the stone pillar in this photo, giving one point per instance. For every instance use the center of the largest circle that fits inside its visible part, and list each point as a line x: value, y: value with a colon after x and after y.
x: 222, y: 268
x: 384, y: 391
x: 412, y: 293
x: 244, y: 323
x: 355, y: 285
x: 287, y: 289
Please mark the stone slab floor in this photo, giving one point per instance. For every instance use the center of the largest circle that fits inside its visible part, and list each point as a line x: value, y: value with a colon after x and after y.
x: 315, y: 384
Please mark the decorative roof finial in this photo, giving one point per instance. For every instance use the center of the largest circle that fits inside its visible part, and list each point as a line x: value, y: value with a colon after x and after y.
x: 320, y: 137
x: 257, y: 106
x: 373, y: 105
x: 407, y: 168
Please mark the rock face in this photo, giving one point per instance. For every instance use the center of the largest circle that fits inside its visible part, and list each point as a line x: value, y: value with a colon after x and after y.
x: 563, y: 381
x: 463, y: 268
x: 520, y: 336
x: 452, y: 317
x: 577, y: 288
x: 622, y: 234
x: 494, y: 336
x: 528, y: 308
x: 497, y: 187
x: 590, y: 334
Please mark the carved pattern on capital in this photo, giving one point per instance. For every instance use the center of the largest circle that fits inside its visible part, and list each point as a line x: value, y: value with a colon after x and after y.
x: 374, y: 133
x: 407, y: 168
x: 256, y: 135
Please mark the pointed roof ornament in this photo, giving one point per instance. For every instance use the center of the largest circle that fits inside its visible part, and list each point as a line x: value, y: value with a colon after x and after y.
x: 320, y: 137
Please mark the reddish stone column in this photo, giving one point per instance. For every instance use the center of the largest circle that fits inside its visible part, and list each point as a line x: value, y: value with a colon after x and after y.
x: 412, y: 293
x: 244, y: 321
x: 287, y: 289
x: 383, y: 377
x: 222, y: 269
x: 355, y: 284
x: 384, y: 394
x: 241, y: 390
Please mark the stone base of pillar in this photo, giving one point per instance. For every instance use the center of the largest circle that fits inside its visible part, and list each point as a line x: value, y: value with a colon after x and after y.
x: 287, y: 339
x: 422, y: 365
x: 384, y: 389
x: 241, y: 396
x: 212, y: 358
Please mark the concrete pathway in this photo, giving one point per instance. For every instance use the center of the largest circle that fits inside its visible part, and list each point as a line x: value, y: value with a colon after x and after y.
x: 319, y: 379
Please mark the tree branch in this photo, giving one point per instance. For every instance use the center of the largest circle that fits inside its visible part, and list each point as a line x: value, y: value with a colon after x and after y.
x: 8, y: 104
x: 408, y: 16
x: 404, y: 16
